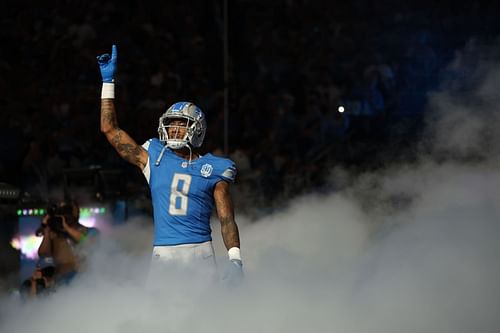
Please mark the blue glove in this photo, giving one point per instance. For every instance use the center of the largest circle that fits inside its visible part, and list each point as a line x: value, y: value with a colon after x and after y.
x: 234, y: 272
x: 107, y: 65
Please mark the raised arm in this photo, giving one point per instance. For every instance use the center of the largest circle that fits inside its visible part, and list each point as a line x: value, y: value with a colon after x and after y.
x: 123, y: 143
x: 119, y: 139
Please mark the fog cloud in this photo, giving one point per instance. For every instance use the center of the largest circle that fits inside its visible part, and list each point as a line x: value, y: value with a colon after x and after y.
x: 412, y: 248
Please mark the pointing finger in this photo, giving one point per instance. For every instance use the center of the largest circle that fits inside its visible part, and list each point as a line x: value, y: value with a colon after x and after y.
x: 114, y: 53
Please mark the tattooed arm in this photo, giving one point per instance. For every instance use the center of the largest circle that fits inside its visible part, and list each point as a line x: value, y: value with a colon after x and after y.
x: 230, y: 234
x: 225, y: 211
x: 123, y: 143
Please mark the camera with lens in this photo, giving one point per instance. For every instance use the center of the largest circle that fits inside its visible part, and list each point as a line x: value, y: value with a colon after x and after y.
x: 55, y: 220
x: 43, y: 282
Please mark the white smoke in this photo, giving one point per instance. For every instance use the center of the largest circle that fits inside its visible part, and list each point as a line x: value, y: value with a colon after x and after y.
x: 412, y: 248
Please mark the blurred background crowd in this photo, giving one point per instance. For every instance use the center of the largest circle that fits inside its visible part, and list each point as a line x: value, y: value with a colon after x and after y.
x: 291, y: 65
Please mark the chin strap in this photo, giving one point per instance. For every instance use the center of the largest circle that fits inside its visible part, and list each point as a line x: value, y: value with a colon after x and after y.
x: 190, y: 153
x: 158, y: 160
x: 161, y: 155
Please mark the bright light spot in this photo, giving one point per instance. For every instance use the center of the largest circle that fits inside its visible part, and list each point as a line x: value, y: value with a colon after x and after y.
x: 15, y: 243
x: 89, y: 222
x: 341, y: 109
x: 28, y: 245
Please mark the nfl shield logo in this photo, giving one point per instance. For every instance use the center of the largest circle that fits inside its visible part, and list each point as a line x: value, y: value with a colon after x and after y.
x: 206, y: 170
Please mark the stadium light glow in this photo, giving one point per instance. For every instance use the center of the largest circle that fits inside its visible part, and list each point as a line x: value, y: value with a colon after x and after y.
x: 84, y: 211
x: 28, y: 245
x: 341, y: 109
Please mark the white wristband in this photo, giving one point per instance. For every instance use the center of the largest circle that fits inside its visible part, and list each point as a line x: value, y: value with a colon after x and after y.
x: 234, y: 253
x: 108, y: 90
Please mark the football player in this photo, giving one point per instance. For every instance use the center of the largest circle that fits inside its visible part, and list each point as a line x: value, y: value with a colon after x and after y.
x: 185, y: 185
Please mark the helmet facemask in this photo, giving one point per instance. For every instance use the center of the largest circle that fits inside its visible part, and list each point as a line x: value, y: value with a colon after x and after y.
x: 166, y: 127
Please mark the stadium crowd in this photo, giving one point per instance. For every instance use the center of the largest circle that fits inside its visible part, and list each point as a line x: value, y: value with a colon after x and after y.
x: 292, y: 63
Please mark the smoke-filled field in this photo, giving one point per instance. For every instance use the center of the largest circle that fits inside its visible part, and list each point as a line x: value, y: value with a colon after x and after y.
x: 410, y: 248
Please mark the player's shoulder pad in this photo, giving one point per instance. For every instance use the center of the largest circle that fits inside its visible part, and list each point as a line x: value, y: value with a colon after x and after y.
x: 222, y: 167
x: 153, y: 145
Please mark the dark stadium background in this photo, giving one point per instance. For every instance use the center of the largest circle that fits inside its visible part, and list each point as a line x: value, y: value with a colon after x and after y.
x: 270, y: 78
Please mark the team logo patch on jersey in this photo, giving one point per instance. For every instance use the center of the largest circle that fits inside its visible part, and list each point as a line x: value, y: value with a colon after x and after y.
x: 184, y: 164
x: 206, y: 170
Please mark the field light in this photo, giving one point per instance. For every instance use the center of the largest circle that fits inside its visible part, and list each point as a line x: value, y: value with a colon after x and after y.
x: 341, y: 109
x: 84, y: 211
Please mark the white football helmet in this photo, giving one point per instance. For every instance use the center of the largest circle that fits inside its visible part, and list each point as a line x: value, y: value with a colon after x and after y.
x: 196, y: 125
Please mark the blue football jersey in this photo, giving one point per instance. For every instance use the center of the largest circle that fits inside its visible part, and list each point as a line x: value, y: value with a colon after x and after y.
x: 182, y: 193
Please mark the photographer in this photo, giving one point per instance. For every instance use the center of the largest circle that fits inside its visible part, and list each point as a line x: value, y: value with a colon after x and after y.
x: 63, y: 238
x: 41, y: 281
